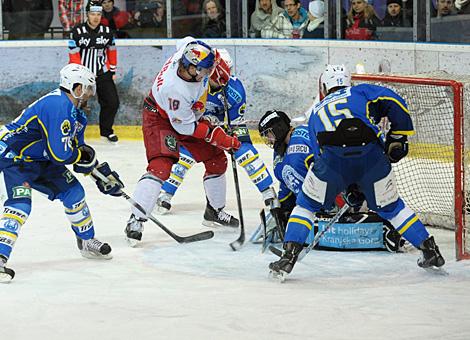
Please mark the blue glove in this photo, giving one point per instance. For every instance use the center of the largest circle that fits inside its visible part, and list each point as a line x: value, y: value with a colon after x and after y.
x: 87, y: 161
x: 108, y: 182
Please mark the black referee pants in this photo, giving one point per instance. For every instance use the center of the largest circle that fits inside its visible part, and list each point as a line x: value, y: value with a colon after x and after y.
x: 109, y: 102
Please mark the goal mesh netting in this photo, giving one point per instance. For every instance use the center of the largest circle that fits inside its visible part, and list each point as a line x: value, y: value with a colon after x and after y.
x: 431, y: 179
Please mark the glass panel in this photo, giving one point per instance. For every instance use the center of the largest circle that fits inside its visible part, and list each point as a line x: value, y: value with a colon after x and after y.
x: 198, y: 18
x: 26, y: 20
x: 146, y: 19
x: 387, y: 20
x: 450, y: 21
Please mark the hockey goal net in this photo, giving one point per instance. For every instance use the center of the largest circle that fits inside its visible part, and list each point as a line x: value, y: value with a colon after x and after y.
x: 432, y: 178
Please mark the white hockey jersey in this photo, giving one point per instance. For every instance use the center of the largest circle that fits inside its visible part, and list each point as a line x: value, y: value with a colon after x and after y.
x: 183, y: 102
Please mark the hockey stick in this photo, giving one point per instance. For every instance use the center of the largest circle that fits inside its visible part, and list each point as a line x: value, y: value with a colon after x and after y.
x: 205, y: 235
x: 237, y: 244
x: 306, y: 250
x: 319, y: 234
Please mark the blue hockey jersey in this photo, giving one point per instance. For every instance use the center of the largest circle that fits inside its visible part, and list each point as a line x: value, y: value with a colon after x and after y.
x: 369, y: 103
x: 290, y: 169
x: 50, y: 129
x: 236, y: 101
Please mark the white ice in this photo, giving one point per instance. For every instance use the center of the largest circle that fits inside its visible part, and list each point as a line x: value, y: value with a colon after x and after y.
x: 204, y: 290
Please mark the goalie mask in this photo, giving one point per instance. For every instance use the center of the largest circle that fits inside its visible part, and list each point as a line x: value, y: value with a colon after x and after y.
x: 334, y: 76
x: 72, y: 75
x: 274, y: 127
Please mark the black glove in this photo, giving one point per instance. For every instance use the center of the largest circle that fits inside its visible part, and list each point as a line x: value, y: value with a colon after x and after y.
x: 396, y: 147
x: 112, y: 185
x: 353, y: 197
x: 393, y: 241
x: 87, y: 161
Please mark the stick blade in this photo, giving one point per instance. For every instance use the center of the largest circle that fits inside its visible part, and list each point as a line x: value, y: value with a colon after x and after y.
x: 237, y: 244
x: 205, y: 235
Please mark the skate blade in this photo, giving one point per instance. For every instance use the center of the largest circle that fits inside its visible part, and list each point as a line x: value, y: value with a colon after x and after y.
x: 212, y: 224
x: 161, y: 210
x: 92, y: 256
x: 436, y: 270
x: 279, y: 276
x: 132, y: 242
x: 5, y: 278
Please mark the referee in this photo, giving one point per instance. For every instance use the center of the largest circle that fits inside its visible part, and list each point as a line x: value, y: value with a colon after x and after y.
x: 92, y: 45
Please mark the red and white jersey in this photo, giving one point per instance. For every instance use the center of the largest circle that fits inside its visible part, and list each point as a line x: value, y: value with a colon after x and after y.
x: 183, y: 102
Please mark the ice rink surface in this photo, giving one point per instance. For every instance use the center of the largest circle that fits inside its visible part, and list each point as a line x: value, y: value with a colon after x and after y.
x: 204, y: 290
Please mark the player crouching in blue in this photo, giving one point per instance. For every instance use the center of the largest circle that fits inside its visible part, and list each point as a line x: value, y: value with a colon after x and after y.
x: 34, y: 149
x: 352, y: 149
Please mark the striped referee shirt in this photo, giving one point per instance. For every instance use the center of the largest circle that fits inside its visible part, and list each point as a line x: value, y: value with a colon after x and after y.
x: 93, y: 48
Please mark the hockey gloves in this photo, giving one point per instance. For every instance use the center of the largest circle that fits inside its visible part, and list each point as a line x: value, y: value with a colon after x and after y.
x: 87, y: 161
x: 353, y: 197
x: 107, y: 181
x: 396, y: 147
x: 393, y: 241
x: 219, y: 138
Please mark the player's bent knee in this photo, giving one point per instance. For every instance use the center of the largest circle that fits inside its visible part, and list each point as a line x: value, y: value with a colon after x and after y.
x: 72, y: 196
x: 216, y: 165
x: 160, y: 167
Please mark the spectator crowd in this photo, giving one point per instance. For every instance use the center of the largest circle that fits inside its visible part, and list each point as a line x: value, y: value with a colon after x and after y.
x: 31, y: 19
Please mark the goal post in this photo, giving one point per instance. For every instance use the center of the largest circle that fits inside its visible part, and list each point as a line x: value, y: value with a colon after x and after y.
x: 432, y: 178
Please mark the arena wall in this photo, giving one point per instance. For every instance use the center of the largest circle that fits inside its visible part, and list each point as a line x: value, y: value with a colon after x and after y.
x: 277, y: 73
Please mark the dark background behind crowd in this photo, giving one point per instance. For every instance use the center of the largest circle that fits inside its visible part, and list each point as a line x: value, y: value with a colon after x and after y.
x: 360, y: 19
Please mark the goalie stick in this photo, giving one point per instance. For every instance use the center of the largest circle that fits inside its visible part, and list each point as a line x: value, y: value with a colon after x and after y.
x: 205, y: 235
x: 237, y: 244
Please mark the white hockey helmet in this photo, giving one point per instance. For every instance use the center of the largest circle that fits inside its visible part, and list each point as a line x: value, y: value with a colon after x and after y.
x: 334, y: 76
x: 72, y: 74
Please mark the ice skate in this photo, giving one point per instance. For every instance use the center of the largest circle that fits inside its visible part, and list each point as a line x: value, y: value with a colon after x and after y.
x: 219, y: 217
x: 164, y: 203
x: 431, y: 257
x: 112, y: 139
x: 94, y: 249
x: 6, y: 274
x: 281, y: 268
x: 134, y: 229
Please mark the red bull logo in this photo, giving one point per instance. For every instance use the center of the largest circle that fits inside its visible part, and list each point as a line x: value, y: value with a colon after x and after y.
x: 199, y: 54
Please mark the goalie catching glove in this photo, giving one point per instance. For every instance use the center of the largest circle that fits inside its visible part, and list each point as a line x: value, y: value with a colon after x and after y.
x: 106, y: 180
x: 396, y: 147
